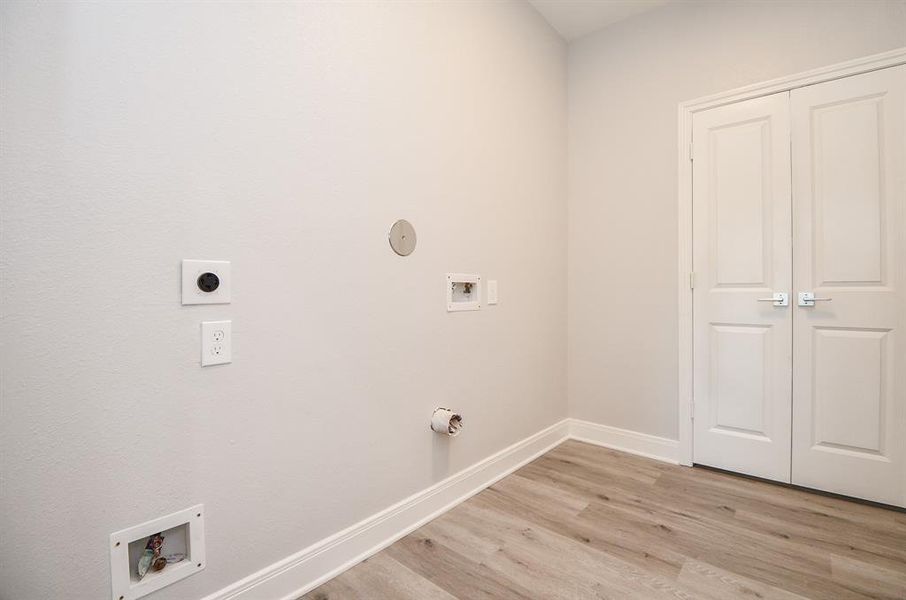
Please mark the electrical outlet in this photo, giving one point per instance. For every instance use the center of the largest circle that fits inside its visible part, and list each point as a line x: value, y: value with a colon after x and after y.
x: 216, y: 343
x: 206, y: 282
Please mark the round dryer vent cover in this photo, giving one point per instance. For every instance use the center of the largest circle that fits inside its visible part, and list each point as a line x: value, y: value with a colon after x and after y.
x: 402, y: 237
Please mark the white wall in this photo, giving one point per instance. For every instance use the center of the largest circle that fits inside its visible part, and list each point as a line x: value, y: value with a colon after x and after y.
x: 287, y: 138
x: 624, y: 86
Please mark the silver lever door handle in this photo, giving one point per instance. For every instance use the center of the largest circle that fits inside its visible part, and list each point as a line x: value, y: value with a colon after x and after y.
x: 808, y: 299
x: 779, y: 299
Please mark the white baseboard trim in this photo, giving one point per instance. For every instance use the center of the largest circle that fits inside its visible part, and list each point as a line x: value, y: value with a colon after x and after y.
x: 633, y: 442
x: 303, y: 571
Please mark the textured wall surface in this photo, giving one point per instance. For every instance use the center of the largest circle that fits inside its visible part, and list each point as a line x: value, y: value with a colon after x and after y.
x: 287, y: 138
x: 625, y: 83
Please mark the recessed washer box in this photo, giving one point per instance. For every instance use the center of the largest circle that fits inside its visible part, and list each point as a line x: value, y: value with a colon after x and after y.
x: 206, y: 281
x: 183, y: 533
x: 463, y: 291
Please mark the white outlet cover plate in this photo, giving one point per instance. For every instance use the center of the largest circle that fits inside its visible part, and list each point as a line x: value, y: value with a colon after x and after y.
x: 456, y: 305
x: 192, y: 269
x: 216, y: 343
x: 124, y: 586
x: 492, y: 291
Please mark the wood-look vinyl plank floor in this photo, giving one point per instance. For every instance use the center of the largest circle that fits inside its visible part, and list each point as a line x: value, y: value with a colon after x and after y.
x: 588, y: 522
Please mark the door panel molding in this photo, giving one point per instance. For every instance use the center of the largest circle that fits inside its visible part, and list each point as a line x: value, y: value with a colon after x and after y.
x: 849, y: 215
x: 685, y: 278
x: 743, y: 255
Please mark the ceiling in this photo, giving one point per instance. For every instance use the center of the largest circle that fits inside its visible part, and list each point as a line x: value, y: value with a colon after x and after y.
x: 575, y: 18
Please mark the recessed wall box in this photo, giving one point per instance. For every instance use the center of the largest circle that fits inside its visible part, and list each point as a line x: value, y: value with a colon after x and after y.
x: 206, y: 281
x: 463, y: 291
x: 183, y: 534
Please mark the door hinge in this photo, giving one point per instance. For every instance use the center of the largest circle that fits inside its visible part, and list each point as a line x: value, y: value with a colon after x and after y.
x: 690, y: 151
x: 692, y: 280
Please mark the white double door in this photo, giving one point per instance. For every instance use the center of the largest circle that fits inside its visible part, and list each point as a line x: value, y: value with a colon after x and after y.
x: 803, y: 192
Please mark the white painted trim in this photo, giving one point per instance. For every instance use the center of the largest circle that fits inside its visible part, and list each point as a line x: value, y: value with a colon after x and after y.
x: 305, y: 570
x: 865, y: 64
x: 684, y: 290
x: 624, y: 440
x: 684, y: 195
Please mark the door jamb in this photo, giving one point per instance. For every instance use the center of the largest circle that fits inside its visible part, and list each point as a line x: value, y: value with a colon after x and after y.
x: 684, y: 284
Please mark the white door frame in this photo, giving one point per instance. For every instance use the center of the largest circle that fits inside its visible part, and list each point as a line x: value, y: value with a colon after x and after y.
x: 684, y: 170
